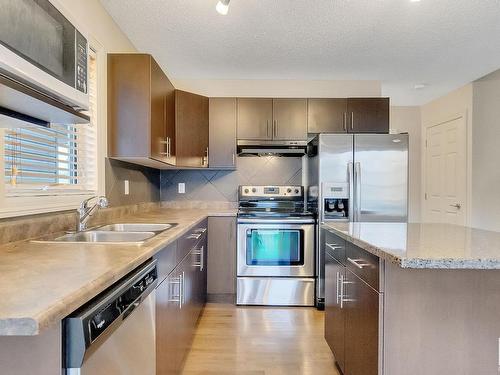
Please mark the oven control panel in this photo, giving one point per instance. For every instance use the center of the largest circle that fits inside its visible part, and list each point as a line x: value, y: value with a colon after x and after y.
x: 249, y: 191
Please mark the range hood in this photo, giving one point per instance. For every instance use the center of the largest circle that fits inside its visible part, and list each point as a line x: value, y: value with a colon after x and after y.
x: 272, y: 148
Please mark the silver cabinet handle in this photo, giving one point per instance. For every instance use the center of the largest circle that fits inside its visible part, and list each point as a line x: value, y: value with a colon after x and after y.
x: 267, y: 128
x: 350, y: 186
x: 344, y: 121
x: 458, y: 206
x: 352, y: 120
x: 199, y: 252
x: 234, y: 159
x: 357, y: 264
x: 357, y: 187
x: 275, y: 128
x: 334, y: 246
x: 337, y: 281
x: 169, y: 147
x: 200, y: 230
x: 194, y: 236
x: 181, y: 300
x: 172, y: 283
x: 343, y: 281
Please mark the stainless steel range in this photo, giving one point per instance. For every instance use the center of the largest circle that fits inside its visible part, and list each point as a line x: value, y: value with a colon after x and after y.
x: 276, y: 257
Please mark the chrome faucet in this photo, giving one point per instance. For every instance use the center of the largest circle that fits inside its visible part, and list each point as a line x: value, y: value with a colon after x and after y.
x: 85, y: 212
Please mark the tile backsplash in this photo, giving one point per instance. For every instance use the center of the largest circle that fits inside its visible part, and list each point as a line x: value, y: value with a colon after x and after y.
x: 212, y: 185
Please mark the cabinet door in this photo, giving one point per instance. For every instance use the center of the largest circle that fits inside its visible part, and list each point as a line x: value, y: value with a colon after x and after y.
x: 334, y: 313
x: 327, y: 115
x: 222, y: 133
x: 361, y: 327
x: 191, y: 137
x: 167, y: 323
x: 255, y: 117
x: 222, y: 255
x: 368, y: 115
x: 170, y: 147
x: 158, y: 118
x: 290, y: 119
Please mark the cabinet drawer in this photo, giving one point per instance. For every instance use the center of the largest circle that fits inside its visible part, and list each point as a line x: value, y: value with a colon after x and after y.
x: 190, y: 239
x: 167, y: 260
x: 335, y: 246
x: 363, y: 264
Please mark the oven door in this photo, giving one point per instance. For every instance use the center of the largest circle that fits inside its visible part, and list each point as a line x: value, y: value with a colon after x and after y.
x: 41, y: 48
x: 275, y: 249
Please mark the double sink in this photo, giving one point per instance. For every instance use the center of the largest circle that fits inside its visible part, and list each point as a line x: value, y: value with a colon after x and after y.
x: 123, y: 233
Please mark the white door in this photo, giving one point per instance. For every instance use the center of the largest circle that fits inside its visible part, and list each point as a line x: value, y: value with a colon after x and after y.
x: 445, y: 172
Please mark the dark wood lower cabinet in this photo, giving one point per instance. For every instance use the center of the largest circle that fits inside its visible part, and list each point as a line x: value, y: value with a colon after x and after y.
x: 351, y: 319
x: 180, y: 298
x: 361, y: 327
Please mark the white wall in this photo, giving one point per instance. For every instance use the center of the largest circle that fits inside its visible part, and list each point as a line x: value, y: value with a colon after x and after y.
x: 485, y: 203
x: 280, y: 88
x: 407, y: 120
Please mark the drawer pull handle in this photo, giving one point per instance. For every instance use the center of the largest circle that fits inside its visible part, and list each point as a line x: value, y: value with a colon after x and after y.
x: 357, y: 264
x: 334, y: 246
x: 194, y: 236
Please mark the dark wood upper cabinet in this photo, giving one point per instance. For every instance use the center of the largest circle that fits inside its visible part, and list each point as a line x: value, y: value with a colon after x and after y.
x: 222, y: 133
x: 191, y: 130
x: 352, y: 115
x: 149, y: 122
x: 368, y: 115
x: 137, y: 109
x: 327, y: 116
x: 290, y: 119
x: 255, y: 117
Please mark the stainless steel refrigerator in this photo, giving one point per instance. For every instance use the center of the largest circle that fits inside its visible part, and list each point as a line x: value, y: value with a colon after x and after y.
x: 356, y: 177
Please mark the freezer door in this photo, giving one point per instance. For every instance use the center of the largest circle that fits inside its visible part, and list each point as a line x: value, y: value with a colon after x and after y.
x: 335, y: 161
x: 381, y: 177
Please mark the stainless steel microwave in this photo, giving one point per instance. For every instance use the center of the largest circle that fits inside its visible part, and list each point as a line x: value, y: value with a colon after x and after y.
x: 40, y: 48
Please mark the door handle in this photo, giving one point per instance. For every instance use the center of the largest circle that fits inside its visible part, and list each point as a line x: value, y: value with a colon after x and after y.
x: 337, y: 282
x: 357, y: 263
x: 458, y: 206
x: 267, y: 128
x: 357, y: 185
x: 343, y: 282
x: 177, y: 297
x: 350, y: 185
x: 201, y: 261
x: 233, y: 159
x: 352, y: 121
x: 334, y: 246
x: 344, y: 121
x: 181, y: 299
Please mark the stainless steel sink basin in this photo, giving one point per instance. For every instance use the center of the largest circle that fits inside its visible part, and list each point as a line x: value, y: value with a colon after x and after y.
x: 100, y: 236
x: 138, y: 227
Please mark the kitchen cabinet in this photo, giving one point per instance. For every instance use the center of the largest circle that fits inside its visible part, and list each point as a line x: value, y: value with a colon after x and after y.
x: 327, y: 115
x: 352, y: 115
x: 334, y: 312
x: 138, y: 116
x: 222, y: 258
x: 290, y: 119
x: 272, y: 119
x: 149, y: 122
x: 255, y: 116
x: 352, y: 303
x: 368, y: 115
x: 222, y: 133
x: 180, y: 298
x: 361, y: 326
x: 191, y: 130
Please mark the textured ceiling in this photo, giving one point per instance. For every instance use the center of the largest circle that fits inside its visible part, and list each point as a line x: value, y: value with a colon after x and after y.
x: 442, y: 43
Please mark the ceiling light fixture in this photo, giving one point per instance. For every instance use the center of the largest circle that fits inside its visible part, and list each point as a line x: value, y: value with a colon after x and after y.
x: 222, y: 7
x: 420, y: 86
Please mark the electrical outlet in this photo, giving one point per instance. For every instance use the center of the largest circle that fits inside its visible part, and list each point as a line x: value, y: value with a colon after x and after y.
x: 182, y: 188
x: 126, y: 187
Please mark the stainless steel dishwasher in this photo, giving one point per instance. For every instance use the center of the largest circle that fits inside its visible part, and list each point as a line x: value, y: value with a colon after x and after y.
x: 115, y: 332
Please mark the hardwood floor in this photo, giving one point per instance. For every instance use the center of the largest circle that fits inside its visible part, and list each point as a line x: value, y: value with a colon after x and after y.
x: 259, y: 341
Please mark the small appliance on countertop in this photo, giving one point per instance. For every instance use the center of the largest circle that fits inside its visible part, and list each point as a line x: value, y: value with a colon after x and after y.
x: 275, y: 247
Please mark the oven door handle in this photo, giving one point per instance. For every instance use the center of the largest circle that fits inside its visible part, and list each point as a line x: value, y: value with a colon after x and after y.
x: 276, y: 222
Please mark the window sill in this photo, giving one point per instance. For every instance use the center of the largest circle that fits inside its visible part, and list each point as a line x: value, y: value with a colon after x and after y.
x: 22, y: 206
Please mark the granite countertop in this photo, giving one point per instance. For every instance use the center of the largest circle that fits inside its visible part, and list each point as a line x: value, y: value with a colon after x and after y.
x: 42, y: 283
x: 416, y: 245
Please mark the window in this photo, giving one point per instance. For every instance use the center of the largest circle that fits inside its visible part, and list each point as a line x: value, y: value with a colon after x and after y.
x: 60, y: 160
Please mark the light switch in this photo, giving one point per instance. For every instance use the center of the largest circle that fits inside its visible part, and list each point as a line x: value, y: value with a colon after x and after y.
x: 126, y: 187
x: 182, y: 188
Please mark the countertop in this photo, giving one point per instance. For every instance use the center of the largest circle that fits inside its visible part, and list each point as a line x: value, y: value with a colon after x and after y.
x: 417, y: 245
x: 42, y: 283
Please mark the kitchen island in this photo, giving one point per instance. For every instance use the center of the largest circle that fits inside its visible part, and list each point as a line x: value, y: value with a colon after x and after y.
x: 412, y: 298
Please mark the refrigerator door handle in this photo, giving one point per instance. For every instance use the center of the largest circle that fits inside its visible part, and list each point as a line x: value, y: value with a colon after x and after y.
x: 350, y: 184
x: 357, y: 179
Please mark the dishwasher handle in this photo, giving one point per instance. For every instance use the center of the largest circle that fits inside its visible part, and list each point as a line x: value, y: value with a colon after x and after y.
x: 89, y: 326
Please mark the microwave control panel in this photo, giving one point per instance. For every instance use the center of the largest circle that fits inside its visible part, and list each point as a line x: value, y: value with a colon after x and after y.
x: 81, y: 63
